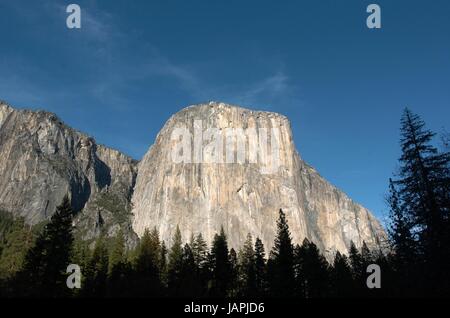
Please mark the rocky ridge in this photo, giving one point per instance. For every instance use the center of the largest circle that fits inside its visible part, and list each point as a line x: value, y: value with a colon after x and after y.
x: 42, y: 160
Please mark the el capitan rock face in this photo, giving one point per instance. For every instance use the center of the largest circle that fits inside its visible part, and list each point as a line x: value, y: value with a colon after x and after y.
x: 202, y: 197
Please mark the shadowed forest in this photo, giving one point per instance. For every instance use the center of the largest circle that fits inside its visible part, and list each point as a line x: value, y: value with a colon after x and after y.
x: 413, y: 263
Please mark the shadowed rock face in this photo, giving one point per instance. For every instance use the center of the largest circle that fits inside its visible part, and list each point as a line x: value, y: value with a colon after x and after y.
x: 202, y: 197
x: 42, y: 160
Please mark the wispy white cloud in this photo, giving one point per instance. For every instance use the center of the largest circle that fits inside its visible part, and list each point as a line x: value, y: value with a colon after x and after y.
x: 185, y: 77
x: 273, y: 86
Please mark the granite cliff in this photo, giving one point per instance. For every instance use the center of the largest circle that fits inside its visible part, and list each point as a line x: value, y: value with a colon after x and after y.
x: 42, y: 160
x: 204, y: 195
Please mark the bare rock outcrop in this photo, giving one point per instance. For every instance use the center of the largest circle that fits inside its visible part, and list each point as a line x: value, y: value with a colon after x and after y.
x: 42, y: 160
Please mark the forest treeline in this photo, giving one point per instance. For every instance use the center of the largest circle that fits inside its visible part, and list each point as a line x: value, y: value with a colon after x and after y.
x: 413, y: 263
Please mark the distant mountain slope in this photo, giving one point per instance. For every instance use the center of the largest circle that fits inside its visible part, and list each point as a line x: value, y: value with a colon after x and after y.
x: 42, y: 159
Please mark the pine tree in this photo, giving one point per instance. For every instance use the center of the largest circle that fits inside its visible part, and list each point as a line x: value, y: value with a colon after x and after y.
x: 17, y: 238
x: 175, y: 266
x: 341, y: 277
x: 119, y: 268
x: 220, y: 266
x: 355, y: 258
x: 233, y: 286
x: 390, y: 284
x: 260, y: 269
x: 420, y: 203
x: 399, y: 231
x: 6, y: 223
x: 163, y: 264
x: 44, y: 270
x: 97, y: 270
x: 445, y: 139
x: 366, y: 255
x: 282, y: 261
x: 155, y: 247
x: 199, y: 250
x: 358, y: 269
x: 312, y: 271
x: 301, y: 281
x: 81, y: 253
x: 119, y: 283
x: 147, y: 282
x: 201, y: 256
x: 247, y: 268
x: 423, y: 185
x: 117, y: 255
x: 190, y: 285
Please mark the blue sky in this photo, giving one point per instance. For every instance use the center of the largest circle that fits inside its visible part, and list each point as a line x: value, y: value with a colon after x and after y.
x: 134, y: 63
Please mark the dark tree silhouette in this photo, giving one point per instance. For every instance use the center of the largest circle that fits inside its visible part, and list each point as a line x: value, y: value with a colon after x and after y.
x: 97, y: 271
x: 233, y: 287
x: 311, y: 271
x: 420, y: 203
x: 399, y: 230
x: 247, y: 268
x: 16, y: 237
x: 201, y: 257
x: 175, y: 266
x: 358, y: 270
x: 341, y: 277
x: 163, y: 264
x: 220, y: 266
x: 146, y: 278
x: 45, y: 264
x: 119, y: 269
x: 260, y: 269
x: 191, y: 285
x: 117, y: 254
x: 281, y: 270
